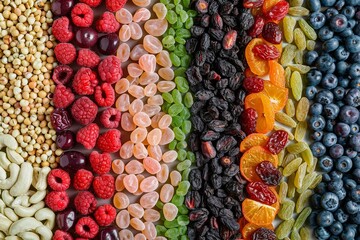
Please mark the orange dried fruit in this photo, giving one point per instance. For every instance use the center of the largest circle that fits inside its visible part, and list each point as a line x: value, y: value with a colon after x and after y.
x: 257, y: 65
x: 268, y: 4
x: 278, y: 95
x: 251, y: 158
x: 258, y: 213
x: 277, y: 204
x: 252, y: 140
x: 250, y: 228
x: 276, y: 73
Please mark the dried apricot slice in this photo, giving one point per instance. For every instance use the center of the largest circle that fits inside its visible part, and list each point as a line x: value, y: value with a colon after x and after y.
x: 258, y: 213
x: 257, y: 65
x: 268, y: 4
x: 276, y: 73
x: 252, y: 140
x: 278, y: 95
x: 250, y: 228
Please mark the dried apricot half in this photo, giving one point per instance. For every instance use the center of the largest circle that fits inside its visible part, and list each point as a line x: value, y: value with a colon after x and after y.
x: 276, y: 73
x: 257, y: 65
x: 278, y: 95
x: 258, y: 213
x: 252, y: 140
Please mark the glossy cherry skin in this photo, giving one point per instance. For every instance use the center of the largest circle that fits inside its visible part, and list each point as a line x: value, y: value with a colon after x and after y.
x: 108, y: 44
x: 65, y: 140
x: 86, y: 37
x: 109, y: 233
x: 65, y: 220
x: 72, y: 161
x: 61, y: 7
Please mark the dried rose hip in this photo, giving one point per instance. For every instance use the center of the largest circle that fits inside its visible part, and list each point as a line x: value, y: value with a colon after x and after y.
x: 268, y: 173
x: 261, y: 192
x: 263, y: 234
x: 253, y: 84
x: 252, y: 3
x: 248, y: 120
x: 257, y: 28
x: 272, y: 33
x: 229, y: 39
x: 278, y: 12
x: 266, y: 52
x: 277, y: 141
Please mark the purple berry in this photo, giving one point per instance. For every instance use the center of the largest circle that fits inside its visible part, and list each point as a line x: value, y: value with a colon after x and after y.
x: 65, y: 220
x: 61, y: 7
x: 109, y: 233
x: 86, y: 37
x: 72, y: 160
x: 60, y: 119
x: 65, y: 140
x: 108, y: 44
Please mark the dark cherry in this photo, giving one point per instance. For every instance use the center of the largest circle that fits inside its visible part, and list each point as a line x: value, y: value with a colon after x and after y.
x: 61, y: 7
x: 109, y: 233
x: 60, y: 119
x: 65, y: 219
x: 108, y: 44
x: 72, y: 160
x: 86, y: 37
x: 65, y: 140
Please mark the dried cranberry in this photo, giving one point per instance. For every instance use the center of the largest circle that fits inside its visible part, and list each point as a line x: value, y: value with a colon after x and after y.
x: 258, y: 26
x: 263, y: 234
x: 278, y: 12
x: 252, y: 3
x: 261, y: 192
x: 253, y: 84
x: 248, y: 120
x: 268, y: 173
x: 60, y: 119
x: 266, y: 52
x: 277, y: 141
x: 272, y: 33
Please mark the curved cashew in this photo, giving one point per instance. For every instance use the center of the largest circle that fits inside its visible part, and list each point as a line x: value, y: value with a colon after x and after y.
x: 29, y: 236
x: 24, y: 180
x: 9, y: 182
x: 44, y: 232
x: 10, y: 214
x: 41, y: 183
x: 2, y: 206
x: 2, y: 235
x: 37, y: 197
x: 5, y: 224
x: 48, y: 215
x: 22, y: 200
x: 12, y: 238
x: 28, y: 211
x: 4, y: 161
x: 7, y: 198
x: 2, y: 174
x: 14, y: 156
x: 24, y: 225
x: 8, y: 141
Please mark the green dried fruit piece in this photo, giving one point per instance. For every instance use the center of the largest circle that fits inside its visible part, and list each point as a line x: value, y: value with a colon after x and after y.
x: 303, y: 201
x: 302, y: 109
x: 286, y: 210
x: 307, y: 29
x: 292, y: 167
x: 316, y: 181
x: 288, y: 54
x: 300, y: 68
x: 291, y: 187
x: 289, y: 25
x: 288, y: 158
x: 300, y: 131
x: 299, y: 57
x: 296, y: 85
x: 308, y: 180
x: 288, y: 76
x: 295, y: 235
x: 299, y: 176
x: 310, y: 45
x: 300, y: 39
x: 290, y: 108
x: 297, y: 147
x: 284, y: 229
x: 300, y: 220
x: 308, y: 157
x: 296, y: 3
x: 283, y: 118
x: 281, y: 157
x: 283, y: 188
x: 298, y: 11
x: 305, y: 233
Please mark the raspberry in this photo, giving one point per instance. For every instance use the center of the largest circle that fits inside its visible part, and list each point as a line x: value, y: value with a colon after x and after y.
x: 110, y: 69
x: 105, y: 215
x: 107, y: 23
x: 85, y: 202
x: 100, y: 163
x: 88, y: 135
x: 91, y: 3
x: 86, y: 227
x: 63, y: 96
x: 85, y: 81
x: 87, y: 58
x: 110, y: 118
x: 61, y: 235
x: 82, y: 15
x: 62, y: 74
x: 104, y: 186
x: 248, y: 120
x: 109, y: 141
x: 84, y: 110
x: 58, y: 180
x: 83, y: 179
x: 62, y: 30
x: 57, y: 201
x: 253, y: 84
x: 104, y: 95
x: 114, y: 5
x: 65, y: 53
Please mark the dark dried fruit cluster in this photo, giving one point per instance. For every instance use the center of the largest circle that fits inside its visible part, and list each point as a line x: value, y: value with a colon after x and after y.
x: 219, y: 36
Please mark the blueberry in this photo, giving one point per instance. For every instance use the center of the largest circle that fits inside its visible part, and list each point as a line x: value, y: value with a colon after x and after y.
x: 326, y: 177
x: 348, y: 114
x: 329, y: 139
x: 317, y: 136
x: 354, y: 142
x: 356, y: 161
x: 325, y: 219
x: 329, y: 81
x: 348, y: 233
x: 354, y: 70
x: 348, y: 11
x: 339, y: 4
x: 315, y: 201
x: 355, y: 83
x: 346, y: 33
x: 350, y: 153
x: 310, y: 57
x: 354, y: 128
x: 339, y: 92
x: 325, y: 33
x: 310, y: 92
x: 330, y: 12
x: 342, y: 67
x: 331, y: 111
x: 356, y: 218
x: 336, y: 228
x: 318, y: 149
x: 329, y: 125
x: 330, y: 45
x: 343, y: 164
x: 356, y: 29
x: 326, y: 164
x: 312, y: 218
x: 355, y: 57
x: 317, y: 123
x: 341, y: 54
x: 321, y: 232
x: 352, y: 2
x: 351, y: 23
x: 324, y: 62
x: 338, y: 23
x: 334, y: 186
x: 342, y: 129
x: 321, y: 188
x: 351, y: 207
x: 343, y: 82
x: 352, y: 97
x: 356, y: 174
x: 328, y: 3
x: 336, y: 175
x: 340, y: 103
x: 314, y: 77
x: 354, y: 194
x: 336, y: 151
x: 324, y: 97
x: 341, y: 216
x: 316, y: 109
x: 342, y: 141
x: 341, y: 193
x: 349, y: 183
x: 352, y: 43
x: 317, y: 20
x: 314, y: 5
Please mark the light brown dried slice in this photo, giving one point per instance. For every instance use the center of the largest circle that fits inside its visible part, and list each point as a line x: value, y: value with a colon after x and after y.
x: 303, y: 201
x: 290, y: 108
x: 302, y: 109
x: 292, y: 167
x: 300, y: 131
x: 284, y: 229
x: 297, y: 148
x: 283, y: 188
x: 284, y: 119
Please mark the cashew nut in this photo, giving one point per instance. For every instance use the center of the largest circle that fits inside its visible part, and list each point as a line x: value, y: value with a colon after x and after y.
x: 22, y: 200
x: 7, y: 198
x: 48, y: 215
x: 5, y: 223
x: 37, y: 197
x: 12, y: 238
x: 28, y: 211
x: 24, y: 225
x: 44, y: 232
x: 2, y: 174
x: 14, y: 156
x: 2, y: 206
x: 8, y: 141
x: 4, y: 161
x: 10, y: 214
x: 41, y: 182
x: 24, y: 180
x: 29, y: 236
x: 2, y: 235
x: 9, y: 182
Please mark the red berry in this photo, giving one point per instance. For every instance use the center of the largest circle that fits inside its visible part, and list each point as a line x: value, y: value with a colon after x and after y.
x: 268, y: 173
x: 104, y: 186
x: 62, y: 30
x: 63, y: 97
x: 260, y: 192
x: 109, y: 141
x: 85, y: 81
x: 107, y: 23
x: 61, y: 235
x: 85, y: 202
x: 86, y: 227
x: 83, y: 179
x: 266, y: 52
x: 252, y: 3
x: 84, y: 110
x: 278, y: 12
x: 58, y: 180
x: 253, y: 84
x: 277, y: 141
x: 92, y: 3
x: 272, y: 33
x: 110, y: 69
x: 88, y: 135
x: 114, y: 5
x: 62, y: 74
x: 248, y: 120
x: 82, y: 15
x: 257, y: 28
x: 105, y: 215
x: 229, y: 39
x: 110, y: 118
x: 57, y: 200
x: 100, y: 163
x: 87, y: 58
x: 65, y: 53
x: 104, y: 95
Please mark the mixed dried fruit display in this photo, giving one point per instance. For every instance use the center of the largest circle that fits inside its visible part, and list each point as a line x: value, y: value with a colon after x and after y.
x: 179, y: 119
